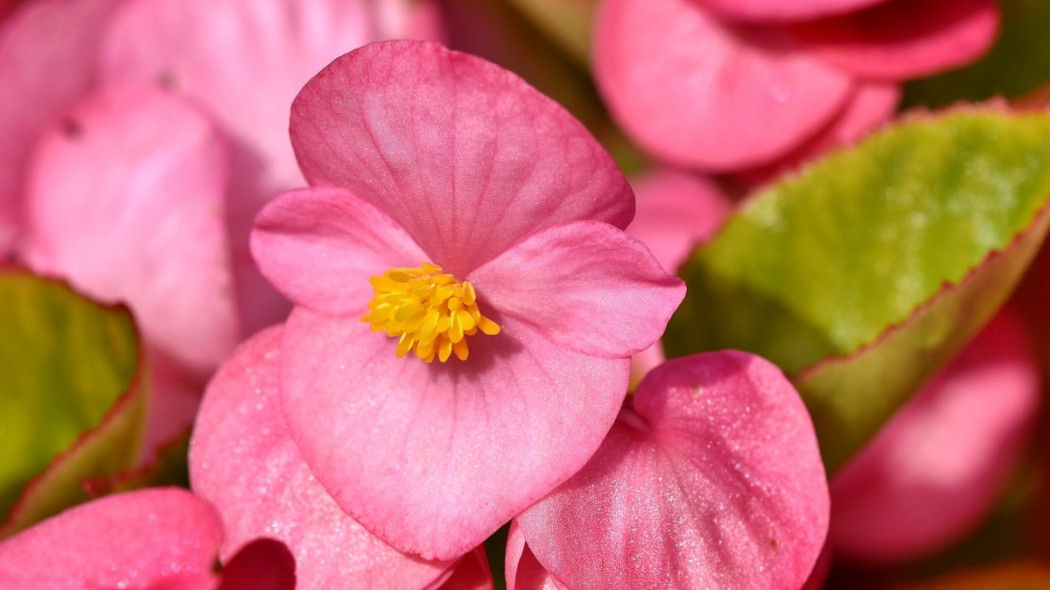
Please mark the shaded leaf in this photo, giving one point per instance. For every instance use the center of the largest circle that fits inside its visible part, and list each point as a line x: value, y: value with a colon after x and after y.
x: 73, y: 396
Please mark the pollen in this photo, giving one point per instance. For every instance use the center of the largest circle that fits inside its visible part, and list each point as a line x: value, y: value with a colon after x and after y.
x: 428, y: 311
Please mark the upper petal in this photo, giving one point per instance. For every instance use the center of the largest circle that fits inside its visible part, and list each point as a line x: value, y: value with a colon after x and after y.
x: 319, y: 246
x: 904, y: 39
x: 245, y: 463
x: 587, y: 286
x: 464, y: 155
x: 433, y: 458
x: 126, y: 198
x: 712, y: 480
x: 119, y: 541
x: 698, y: 92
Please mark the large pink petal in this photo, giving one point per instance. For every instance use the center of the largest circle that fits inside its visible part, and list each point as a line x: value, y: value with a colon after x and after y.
x: 780, y: 10
x: 712, y: 480
x: 587, y: 286
x: 937, y: 468
x: 433, y: 458
x: 904, y: 39
x: 464, y: 155
x: 243, y: 461
x: 48, y: 50
x: 130, y: 540
x: 697, y: 92
x: 675, y: 212
x: 126, y: 199
x: 308, y: 243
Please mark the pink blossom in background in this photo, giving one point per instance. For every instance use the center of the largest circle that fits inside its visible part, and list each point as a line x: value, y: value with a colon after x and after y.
x: 117, y: 173
x: 710, y: 478
x: 125, y: 198
x: 153, y: 539
x: 937, y: 467
x: 721, y: 86
x: 416, y: 156
x: 243, y: 460
x: 243, y: 61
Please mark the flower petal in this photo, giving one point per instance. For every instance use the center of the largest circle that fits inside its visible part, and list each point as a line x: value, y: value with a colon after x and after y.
x: 675, y: 212
x: 244, y: 462
x: 904, y: 39
x: 262, y: 564
x: 464, y: 155
x: 424, y: 454
x: 778, y: 10
x: 522, y: 569
x: 587, y: 286
x: 919, y: 485
x: 126, y: 199
x: 712, y: 480
x: 48, y: 50
x: 311, y: 243
x: 697, y: 92
x: 119, y: 541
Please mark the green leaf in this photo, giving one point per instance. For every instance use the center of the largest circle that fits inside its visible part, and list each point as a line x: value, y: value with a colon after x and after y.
x: 73, y: 397
x: 865, y: 274
x: 1017, y: 64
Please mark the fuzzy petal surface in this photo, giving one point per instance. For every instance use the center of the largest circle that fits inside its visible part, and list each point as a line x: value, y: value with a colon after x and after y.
x: 126, y: 199
x: 48, y: 50
x: 313, y: 242
x: 778, y: 10
x: 522, y: 570
x: 587, y: 286
x: 697, y: 92
x: 920, y: 484
x: 244, y: 462
x: 712, y: 480
x: 904, y: 39
x: 464, y: 155
x: 159, y: 537
x: 424, y: 454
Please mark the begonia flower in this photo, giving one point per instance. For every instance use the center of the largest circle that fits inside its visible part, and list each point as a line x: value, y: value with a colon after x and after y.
x: 466, y: 299
x: 710, y: 478
x: 152, y: 539
x: 243, y: 461
x: 938, y: 466
x: 701, y: 85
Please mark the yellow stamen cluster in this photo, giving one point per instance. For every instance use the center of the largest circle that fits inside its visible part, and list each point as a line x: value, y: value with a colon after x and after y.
x: 429, y: 311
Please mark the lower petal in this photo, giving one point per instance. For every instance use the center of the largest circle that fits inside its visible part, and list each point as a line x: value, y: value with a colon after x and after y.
x: 433, y: 458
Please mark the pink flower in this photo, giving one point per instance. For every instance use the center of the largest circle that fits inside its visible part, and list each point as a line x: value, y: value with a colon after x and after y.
x: 245, y: 463
x: 936, y: 469
x: 723, y: 86
x: 153, y: 539
x: 710, y: 478
x: 419, y: 156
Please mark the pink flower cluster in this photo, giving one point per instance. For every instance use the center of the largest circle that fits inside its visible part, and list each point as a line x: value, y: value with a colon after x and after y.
x: 475, y: 309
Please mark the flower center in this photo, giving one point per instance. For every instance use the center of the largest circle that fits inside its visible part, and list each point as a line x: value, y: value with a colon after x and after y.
x: 429, y: 311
